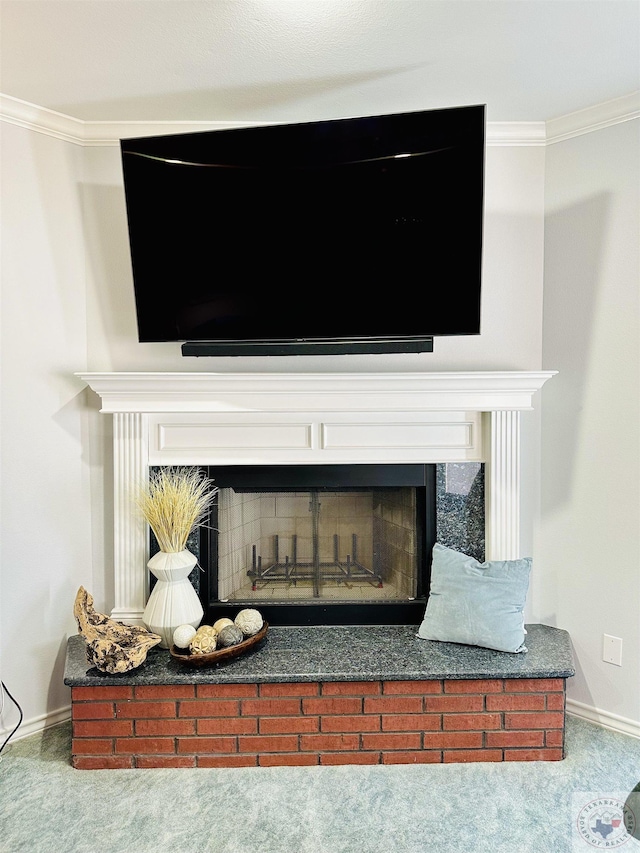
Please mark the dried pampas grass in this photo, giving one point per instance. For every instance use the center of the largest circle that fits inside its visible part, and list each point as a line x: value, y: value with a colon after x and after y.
x: 175, y: 501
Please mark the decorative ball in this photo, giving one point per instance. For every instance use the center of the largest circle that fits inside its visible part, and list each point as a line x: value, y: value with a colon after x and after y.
x: 221, y: 623
x: 183, y: 635
x: 209, y: 630
x: 230, y: 635
x: 203, y: 643
x: 249, y: 621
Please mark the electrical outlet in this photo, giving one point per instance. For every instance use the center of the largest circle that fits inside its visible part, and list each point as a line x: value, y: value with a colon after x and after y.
x: 612, y: 649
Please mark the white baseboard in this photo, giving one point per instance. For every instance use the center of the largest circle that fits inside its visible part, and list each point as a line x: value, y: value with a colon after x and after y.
x: 604, y: 718
x: 36, y: 724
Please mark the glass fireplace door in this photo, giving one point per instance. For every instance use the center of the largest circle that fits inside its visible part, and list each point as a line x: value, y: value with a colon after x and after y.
x: 348, y: 544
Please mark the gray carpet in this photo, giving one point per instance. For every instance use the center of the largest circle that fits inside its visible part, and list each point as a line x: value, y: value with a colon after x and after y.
x: 48, y: 807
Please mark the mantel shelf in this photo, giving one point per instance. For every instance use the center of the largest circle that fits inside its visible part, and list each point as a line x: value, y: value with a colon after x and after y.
x: 474, y: 391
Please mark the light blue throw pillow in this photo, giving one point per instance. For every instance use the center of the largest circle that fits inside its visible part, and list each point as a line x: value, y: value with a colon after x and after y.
x: 478, y: 604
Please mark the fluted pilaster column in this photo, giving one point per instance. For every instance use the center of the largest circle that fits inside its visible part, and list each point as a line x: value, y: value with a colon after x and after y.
x: 131, y: 550
x: 502, y: 485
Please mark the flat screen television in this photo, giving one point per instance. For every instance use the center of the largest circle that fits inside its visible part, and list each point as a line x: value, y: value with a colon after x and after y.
x: 346, y: 235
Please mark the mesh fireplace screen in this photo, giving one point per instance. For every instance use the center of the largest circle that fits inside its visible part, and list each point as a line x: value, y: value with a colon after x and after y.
x: 342, y: 545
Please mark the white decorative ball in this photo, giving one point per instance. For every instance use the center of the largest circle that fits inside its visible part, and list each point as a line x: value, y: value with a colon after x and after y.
x: 183, y: 635
x: 222, y: 623
x: 249, y: 621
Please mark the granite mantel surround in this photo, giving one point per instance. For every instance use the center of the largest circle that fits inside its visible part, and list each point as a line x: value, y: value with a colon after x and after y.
x: 193, y: 418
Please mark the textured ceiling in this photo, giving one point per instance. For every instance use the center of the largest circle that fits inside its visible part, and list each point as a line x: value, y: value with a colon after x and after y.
x: 282, y: 60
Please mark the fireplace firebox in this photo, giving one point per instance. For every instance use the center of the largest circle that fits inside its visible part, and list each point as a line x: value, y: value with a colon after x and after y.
x: 318, y: 544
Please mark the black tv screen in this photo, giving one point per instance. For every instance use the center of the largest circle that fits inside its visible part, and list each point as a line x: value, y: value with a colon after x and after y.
x: 345, y: 235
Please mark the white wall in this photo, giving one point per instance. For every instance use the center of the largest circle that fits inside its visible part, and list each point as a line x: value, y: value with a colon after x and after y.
x: 68, y: 306
x: 46, y: 512
x: 589, y: 539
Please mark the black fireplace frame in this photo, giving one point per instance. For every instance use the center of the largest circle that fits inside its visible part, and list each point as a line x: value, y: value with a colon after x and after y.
x: 274, y: 478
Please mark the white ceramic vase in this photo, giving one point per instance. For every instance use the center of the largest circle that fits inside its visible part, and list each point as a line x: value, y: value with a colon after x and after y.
x: 173, y: 600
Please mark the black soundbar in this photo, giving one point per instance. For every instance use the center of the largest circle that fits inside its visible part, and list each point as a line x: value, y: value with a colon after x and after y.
x: 323, y: 347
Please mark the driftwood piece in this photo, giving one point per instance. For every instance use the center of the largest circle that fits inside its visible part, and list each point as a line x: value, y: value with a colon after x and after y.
x: 111, y: 646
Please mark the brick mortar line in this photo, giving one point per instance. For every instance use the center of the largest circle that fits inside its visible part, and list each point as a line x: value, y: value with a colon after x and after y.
x: 124, y: 701
x: 134, y: 697
x: 330, y: 733
x: 360, y: 750
x: 259, y: 718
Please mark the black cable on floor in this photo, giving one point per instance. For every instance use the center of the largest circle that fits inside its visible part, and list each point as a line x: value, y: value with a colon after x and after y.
x: 8, y: 738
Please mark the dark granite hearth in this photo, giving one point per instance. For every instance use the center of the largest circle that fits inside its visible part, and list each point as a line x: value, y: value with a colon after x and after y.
x: 354, y: 653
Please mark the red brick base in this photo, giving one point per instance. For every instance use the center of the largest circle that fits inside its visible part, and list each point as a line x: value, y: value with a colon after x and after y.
x: 357, y: 722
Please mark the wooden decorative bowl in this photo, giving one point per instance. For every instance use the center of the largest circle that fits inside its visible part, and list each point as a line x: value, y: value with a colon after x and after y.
x: 220, y: 655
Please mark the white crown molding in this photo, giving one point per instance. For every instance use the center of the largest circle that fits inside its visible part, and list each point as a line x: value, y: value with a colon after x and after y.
x: 41, y: 120
x: 107, y: 133
x: 594, y: 118
x: 515, y: 133
x: 96, y: 133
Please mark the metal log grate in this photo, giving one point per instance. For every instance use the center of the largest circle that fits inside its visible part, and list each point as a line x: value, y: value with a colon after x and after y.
x: 292, y: 570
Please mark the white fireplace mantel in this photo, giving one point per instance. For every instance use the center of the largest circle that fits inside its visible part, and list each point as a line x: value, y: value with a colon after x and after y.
x: 217, y: 392
x: 310, y: 418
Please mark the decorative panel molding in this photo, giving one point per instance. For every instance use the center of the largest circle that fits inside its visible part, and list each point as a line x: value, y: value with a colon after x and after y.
x: 221, y: 438
x: 207, y: 438
x: 435, y: 439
